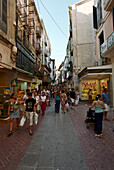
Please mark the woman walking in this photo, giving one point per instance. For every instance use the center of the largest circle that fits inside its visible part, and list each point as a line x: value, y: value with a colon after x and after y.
x: 63, y: 98
x: 13, y: 112
x: 99, y: 106
x: 57, y: 102
x: 43, y: 103
x: 37, y: 98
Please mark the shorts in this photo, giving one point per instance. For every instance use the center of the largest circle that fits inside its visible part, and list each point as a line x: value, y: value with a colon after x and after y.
x: 38, y: 107
x: 29, y: 116
x: 107, y: 108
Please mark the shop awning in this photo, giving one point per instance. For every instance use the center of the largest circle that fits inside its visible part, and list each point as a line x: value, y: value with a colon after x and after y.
x: 95, y: 76
x: 96, y: 72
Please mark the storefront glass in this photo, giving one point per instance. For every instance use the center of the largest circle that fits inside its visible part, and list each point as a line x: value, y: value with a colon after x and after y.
x: 86, y: 85
x: 104, y: 84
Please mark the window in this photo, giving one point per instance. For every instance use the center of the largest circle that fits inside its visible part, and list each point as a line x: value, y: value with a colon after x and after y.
x: 99, y: 13
x: 3, y: 15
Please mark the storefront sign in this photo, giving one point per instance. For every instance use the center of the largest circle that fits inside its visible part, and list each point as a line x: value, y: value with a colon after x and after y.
x: 14, y: 82
x: 89, y: 84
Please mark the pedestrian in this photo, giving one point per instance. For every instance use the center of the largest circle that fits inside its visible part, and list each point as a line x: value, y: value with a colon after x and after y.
x: 90, y: 96
x: 37, y: 98
x: 106, y: 99
x: 99, y: 106
x: 26, y: 95
x: 29, y: 111
x: 63, y: 99
x: 43, y: 103
x: 32, y: 91
x: 68, y: 98
x: 73, y: 96
x: 57, y: 101
x: 13, y: 112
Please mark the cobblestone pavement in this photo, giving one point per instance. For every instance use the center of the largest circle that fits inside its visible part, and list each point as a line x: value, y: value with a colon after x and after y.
x: 98, y: 152
x: 55, y: 146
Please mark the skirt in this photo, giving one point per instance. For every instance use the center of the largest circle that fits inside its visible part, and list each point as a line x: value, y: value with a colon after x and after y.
x: 43, y: 106
x: 14, y: 113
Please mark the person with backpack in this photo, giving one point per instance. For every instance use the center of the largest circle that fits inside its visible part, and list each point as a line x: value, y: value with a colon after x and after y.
x: 99, y: 106
x: 105, y: 97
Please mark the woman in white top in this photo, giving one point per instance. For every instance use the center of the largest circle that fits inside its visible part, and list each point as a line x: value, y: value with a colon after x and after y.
x: 43, y: 103
x: 37, y: 98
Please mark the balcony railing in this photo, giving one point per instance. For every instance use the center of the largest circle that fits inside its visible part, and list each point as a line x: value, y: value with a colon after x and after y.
x: 108, y: 4
x: 108, y: 43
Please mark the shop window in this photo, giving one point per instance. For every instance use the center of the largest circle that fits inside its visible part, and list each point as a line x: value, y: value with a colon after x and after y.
x: 3, y: 15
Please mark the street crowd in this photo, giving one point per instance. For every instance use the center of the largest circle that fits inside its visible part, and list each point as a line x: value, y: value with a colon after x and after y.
x: 35, y: 103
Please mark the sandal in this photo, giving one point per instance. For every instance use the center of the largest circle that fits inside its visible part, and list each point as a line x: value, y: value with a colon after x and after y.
x: 9, y: 134
x: 100, y: 136
x: 30, y: 132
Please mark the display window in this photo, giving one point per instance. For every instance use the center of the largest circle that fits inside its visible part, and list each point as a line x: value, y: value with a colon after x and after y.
x: 86, y: 85
x: 103, y: 84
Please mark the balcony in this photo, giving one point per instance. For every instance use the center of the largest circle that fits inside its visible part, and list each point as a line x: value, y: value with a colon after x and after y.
x: 107, y: 48
x: 38, y: 31
x: 108, y: 4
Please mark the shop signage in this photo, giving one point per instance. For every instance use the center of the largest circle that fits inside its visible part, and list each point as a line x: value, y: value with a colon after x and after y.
x: 14, y: 82
x: 89, y: 84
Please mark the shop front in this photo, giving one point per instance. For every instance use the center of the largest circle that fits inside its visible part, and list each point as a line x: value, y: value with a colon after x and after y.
x: 24, y: 82
x: 6, y: 75
x: 96, y: 79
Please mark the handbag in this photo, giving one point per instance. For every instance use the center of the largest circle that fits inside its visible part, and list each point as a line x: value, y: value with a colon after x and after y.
x: 23, y: 119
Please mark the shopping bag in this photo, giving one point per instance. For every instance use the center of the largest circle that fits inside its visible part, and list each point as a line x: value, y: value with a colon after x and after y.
x: 67, y: 105
x: 23, y: 119
x: 76, y: 102
x: 35, y: 118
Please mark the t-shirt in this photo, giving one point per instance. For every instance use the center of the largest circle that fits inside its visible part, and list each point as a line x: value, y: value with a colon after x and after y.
x: 43, y: 98
x: 105, y: 97
x: 72, y: 95
x: 30, y: 104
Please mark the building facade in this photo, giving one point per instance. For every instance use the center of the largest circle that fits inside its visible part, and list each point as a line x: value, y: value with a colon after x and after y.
x: 82, y: 32
x: 7, y: 51
x: 106, y: 29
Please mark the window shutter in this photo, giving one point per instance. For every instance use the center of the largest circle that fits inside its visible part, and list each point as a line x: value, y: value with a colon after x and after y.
x: 95, y: 17
x: 4, y: 11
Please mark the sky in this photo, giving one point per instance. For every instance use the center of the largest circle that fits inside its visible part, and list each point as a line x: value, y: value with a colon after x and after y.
x: 59, y: 11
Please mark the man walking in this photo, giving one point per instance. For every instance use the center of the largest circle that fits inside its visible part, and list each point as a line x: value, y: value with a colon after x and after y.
x: 30, y: 109
x: 105, y: 97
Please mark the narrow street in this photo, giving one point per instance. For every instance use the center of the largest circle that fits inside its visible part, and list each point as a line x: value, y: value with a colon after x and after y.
x: 60, y: 142
x: 55, y: 145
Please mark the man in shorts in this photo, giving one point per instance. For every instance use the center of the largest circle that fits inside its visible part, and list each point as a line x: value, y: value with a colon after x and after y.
x: 105, y: 97
x: 30, y: 109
